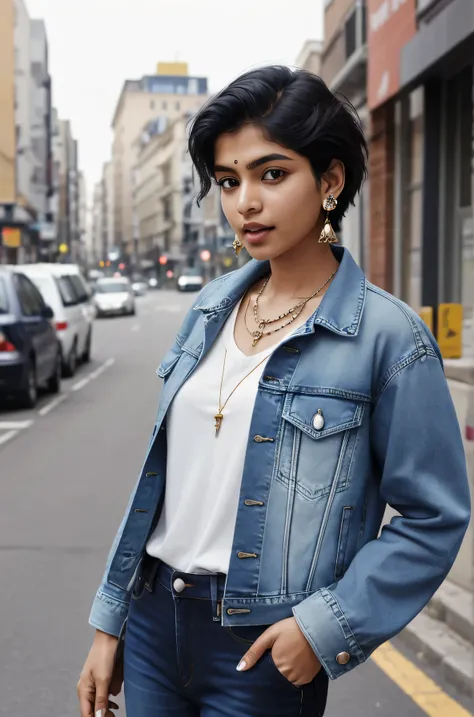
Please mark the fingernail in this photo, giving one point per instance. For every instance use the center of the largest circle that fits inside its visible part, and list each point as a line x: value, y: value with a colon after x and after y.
x: 241, y: 666
x: 100, y: 713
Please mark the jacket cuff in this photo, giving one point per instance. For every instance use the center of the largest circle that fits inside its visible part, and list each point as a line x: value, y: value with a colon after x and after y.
x: 324, y: 625
x: 108, y: 614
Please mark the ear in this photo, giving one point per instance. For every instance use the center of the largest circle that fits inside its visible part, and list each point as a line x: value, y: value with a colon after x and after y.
x: 332, y: 181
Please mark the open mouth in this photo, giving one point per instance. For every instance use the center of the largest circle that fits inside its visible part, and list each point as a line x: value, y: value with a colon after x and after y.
x: 257, y: 234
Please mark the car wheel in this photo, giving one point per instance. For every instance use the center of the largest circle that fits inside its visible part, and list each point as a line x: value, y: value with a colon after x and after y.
x: 29, y: 395
x: 69, y: 368
x: 54, y: 383
x: 86, y: 356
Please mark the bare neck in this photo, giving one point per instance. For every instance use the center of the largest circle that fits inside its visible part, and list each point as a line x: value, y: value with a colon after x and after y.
x: 300, y: 272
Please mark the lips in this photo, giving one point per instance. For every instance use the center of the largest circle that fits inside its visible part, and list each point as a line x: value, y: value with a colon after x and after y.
x: 255, y: 233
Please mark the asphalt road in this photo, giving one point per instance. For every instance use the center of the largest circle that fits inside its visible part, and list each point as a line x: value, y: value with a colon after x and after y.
x: 66, y: 471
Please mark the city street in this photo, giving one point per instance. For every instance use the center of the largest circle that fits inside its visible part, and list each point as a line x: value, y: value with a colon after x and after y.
x: 67, y: 469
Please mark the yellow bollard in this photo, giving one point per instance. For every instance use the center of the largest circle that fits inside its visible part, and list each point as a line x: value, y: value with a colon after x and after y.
x: 450, y: 330
x: 426, y: 313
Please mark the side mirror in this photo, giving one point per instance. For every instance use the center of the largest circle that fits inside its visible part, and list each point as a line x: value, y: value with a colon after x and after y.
x: 47, y: 313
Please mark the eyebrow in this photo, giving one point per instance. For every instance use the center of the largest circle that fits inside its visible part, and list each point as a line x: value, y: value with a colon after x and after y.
x: 256, y: 162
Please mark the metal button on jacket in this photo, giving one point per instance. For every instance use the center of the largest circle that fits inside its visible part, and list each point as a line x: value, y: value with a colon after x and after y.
x: 179, y: 585
x: 343, y: 658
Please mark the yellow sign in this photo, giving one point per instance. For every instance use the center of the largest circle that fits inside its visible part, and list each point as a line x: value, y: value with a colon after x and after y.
x: 450, y: 330
x: 172, y: 68
x: 63, y: 248
x: 426, y: 313
x: 11, y: 237
x: 228, y: 261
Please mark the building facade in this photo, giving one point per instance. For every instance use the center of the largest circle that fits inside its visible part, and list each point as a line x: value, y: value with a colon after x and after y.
x: 152, y: 99
x: 67, y: 182
x: 26, y: 179
x: 421, y: 86
x: 344, y: 69
x: 167, y: 221
x: 95, y: 252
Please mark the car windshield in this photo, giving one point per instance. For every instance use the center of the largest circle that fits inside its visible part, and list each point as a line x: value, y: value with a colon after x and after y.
x: 3, y: 298
x: 112, y: 287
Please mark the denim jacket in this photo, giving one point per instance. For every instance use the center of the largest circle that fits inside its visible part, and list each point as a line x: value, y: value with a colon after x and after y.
x: 353, y: 412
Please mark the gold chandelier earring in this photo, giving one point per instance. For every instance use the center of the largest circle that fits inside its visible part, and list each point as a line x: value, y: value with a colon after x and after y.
x: 328, y: 235
x: 238, y: 246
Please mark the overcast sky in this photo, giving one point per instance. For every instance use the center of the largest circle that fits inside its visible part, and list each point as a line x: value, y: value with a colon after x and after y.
x: 95, y: 45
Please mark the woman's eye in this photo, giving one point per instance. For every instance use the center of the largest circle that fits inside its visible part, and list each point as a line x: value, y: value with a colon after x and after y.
x: 273, y: 174
x: 227, y: 183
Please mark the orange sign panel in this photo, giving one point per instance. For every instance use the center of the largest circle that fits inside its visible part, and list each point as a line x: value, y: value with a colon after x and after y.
x: 11, y: 237
x: 391, y: 24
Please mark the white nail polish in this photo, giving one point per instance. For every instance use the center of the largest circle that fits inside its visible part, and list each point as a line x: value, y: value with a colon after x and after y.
x: 241, y: 666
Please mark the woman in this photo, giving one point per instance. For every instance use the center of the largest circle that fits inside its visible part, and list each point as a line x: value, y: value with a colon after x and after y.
x: 298, y: 401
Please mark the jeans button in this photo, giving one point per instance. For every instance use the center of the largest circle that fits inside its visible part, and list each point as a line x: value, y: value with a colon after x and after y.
x: 179, y: 585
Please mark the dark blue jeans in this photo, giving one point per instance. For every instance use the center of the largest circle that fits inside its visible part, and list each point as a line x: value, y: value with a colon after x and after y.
x: 180, y: 662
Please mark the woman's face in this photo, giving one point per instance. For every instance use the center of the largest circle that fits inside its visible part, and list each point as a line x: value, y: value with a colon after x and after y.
x: 269, y: 193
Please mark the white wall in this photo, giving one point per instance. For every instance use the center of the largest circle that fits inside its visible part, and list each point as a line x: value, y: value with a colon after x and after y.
x: 25, y: 163
x: 39, y: 111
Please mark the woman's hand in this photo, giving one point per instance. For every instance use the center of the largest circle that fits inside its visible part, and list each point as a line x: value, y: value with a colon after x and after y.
x: 99, y: 677
x: 291, y: 652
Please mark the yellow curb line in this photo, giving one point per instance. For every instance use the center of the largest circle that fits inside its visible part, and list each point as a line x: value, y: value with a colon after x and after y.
x: 416, y: 684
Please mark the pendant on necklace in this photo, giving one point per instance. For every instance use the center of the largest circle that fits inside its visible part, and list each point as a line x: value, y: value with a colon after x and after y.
x: 218, y: 418
x: 257, y: 335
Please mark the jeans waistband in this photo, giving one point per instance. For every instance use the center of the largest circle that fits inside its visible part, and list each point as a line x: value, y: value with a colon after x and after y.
x: 208, y: 586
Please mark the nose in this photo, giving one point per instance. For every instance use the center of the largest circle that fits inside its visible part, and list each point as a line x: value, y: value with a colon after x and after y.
x: 249, y: 199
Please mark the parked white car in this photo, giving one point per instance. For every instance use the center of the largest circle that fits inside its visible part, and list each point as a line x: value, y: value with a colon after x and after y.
x: 114, y: 296
x: 65, y: 290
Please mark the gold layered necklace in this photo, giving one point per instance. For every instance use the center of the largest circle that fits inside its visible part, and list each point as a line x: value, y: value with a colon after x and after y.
x: 219, y: 417
x: 294, y: 311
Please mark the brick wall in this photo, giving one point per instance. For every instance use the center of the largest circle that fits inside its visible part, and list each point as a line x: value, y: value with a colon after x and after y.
x: 381, y: 168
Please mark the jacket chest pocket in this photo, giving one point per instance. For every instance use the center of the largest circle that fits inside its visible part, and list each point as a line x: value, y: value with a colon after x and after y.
x: 319, y: 435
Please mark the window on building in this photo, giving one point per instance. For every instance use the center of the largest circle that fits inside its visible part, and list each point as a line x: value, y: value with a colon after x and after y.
x: 152, y: 104
x: 164, y: 105
x: 457, y: 188
x: 178, y: 106
x: 408, y: 206
x: 350, y: 30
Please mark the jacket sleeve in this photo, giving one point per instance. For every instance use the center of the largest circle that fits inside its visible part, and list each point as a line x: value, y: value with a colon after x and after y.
x: 417, y: 444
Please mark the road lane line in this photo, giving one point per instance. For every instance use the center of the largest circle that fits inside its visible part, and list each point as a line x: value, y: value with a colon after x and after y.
x: 8, y: 436
x: 101, y: 369
x: 14, y: 425
x: 80, y: 384
x: 416, y: 684
x: 53, y: 404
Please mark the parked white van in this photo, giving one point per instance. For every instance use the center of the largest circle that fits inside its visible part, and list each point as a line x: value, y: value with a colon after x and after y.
x: 65, y: 290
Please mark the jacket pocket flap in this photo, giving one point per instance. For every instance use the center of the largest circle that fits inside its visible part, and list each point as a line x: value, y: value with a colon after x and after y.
x: 320, y: 416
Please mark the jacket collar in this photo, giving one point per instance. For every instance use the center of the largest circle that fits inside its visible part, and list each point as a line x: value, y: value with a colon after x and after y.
x: 340, y: 310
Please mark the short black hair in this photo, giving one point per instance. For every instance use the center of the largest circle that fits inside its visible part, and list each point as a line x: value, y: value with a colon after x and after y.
x: 294, y: 108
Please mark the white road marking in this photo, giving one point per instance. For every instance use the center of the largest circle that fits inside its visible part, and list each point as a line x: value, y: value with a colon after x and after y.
x: 14, y: 425
x: 136, y: 327
x: 95, y: 374
x: 53, y: 404
x: 80, y: 384
x: 8, y: 436
x: 101, y: 369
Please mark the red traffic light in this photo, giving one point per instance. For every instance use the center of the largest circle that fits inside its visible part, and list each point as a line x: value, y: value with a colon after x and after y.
x: 163, y: 260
